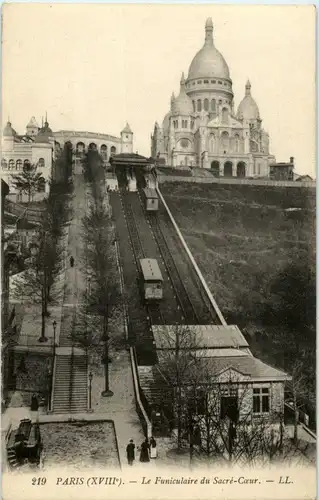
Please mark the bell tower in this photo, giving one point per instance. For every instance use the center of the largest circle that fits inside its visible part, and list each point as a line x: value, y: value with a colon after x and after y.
x: 127, y: 140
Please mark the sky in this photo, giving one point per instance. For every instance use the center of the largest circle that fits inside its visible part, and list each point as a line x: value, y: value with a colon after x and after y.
x: 96, y: 67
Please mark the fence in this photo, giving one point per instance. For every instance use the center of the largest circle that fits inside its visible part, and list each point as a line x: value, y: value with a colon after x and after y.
x: 144, y: 418
x: 229, y: 180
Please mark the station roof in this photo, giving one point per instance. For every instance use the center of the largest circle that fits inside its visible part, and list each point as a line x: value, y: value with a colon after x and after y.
x: 150, y: 193
x: 206, y: 336
x: 150, y: 269
x: 130, y: 159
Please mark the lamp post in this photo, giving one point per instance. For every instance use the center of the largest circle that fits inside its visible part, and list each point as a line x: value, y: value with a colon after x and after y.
x: 90, y: 390
x: 54, y: 336
x: 89, y: 285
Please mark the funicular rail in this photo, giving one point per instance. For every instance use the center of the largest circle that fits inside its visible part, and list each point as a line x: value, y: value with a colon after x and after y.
x: 153, y: 309
x: 184, y: 300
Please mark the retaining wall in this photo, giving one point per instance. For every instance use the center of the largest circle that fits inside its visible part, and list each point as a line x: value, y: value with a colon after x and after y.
x: 229, y: 180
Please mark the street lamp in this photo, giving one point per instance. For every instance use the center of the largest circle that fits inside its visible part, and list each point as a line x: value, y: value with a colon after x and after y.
x: 90, y: 390
x: 54, y: 336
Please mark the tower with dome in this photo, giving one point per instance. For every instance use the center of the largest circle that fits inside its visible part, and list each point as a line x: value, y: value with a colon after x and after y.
x: 202, y: 128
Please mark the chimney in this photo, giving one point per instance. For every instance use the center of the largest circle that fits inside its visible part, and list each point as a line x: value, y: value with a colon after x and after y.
x: 291, y: 159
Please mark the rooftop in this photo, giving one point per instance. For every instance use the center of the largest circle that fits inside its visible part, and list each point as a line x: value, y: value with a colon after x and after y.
x: 207, y: 336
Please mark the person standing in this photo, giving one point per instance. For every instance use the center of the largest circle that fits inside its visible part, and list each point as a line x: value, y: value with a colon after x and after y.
x: 130, y: 452
x: 144, y: 455
x: 153, y: 448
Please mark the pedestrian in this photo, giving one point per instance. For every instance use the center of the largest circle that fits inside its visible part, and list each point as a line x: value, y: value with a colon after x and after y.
x: 34, y: 403
x: 144, y: 455
x: 130, y: 452
x: 153, y: 448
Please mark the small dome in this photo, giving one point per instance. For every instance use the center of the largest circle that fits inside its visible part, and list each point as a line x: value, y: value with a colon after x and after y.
x: 208, y: 61
x: 248, y: 108
x: 182, y: 105
x: 165, y: 124
x: 32, y: 123
x: 8, y: 131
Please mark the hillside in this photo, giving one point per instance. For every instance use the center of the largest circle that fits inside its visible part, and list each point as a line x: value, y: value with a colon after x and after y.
x: 259, y: 261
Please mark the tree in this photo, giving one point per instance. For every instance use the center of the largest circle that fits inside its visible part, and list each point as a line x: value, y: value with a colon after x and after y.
x: 98, y: 233
x: 46, y: 262
x: 29, y: 181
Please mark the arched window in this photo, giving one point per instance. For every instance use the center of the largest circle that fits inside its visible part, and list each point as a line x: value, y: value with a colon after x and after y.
x: 4, y: 164
x: 113, y: 150
x: 194, y: 105
x: 41, y: 163
x: 225, y: 140
x: 80, y: 147
x: 215, y: 168
x: 93, y: 146
x: 104, y: 151
x: 241, y: 169
x: 213, y: 105
x: 11, y: 165
x: 19, y: 165
x: 206, y: 104
x: 192, y: 124
x: 199, y: 105
x: 212, y: 143
x: 228, y: 169
x: 225, y: 115
x: 26, y: 163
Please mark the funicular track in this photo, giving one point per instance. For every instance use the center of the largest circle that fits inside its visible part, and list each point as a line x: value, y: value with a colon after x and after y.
x: 204, y: 308
x: 139, y: 331
x: 153, y: 309
x: 181, y: 293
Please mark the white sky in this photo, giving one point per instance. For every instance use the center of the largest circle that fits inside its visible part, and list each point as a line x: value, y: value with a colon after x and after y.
x: 94, y: 67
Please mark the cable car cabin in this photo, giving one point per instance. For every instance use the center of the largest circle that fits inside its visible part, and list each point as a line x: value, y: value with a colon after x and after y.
x: 24, y: 444
x: 111, y: 182
x: 150, y: 200
x: 152, y: 280
x: 150, y: 181
x: 131, y: 182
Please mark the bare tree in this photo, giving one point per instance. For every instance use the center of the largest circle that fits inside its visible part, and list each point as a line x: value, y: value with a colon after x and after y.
x: 98, y: 233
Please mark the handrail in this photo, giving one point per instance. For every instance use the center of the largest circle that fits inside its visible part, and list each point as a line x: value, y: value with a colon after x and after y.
x: 137, y: 394
x: 53, y: 383
x: 199, y: 274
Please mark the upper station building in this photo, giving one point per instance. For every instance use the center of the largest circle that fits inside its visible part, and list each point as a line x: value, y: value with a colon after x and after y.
x: 40, y: 146
x: 202, y: 127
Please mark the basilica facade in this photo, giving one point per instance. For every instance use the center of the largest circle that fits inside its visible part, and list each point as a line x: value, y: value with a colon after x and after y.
x: 202, y: 127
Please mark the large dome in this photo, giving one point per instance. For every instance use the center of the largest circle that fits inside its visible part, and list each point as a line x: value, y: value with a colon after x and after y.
x: 248, y: 108
x: 208, y: 62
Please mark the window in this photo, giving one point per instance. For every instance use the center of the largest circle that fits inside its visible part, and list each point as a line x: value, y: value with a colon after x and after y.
x: 11, y: 165
x: 206, y: 81
x: 184, y: 143
x: 199, y: 105
x: 261, y: 400
x: 220, y: 83
x: 258, y: 168
x: 186, y: 124
x: 213, y: 105
x: 26, y: 163
x: 192, y: 124
x: 19, y: 165
x: 194, y: 106
x: 213, y: 81
x: 199, y: 81
x: 4, y: 164
x: 206, y: 104
x: 41, y: 163
x: 220, y: 101
x: 225, y: 115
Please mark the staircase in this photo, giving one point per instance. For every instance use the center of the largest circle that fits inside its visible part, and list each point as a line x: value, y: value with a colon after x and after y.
x: 12, y: 458
x: 70, y: 384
